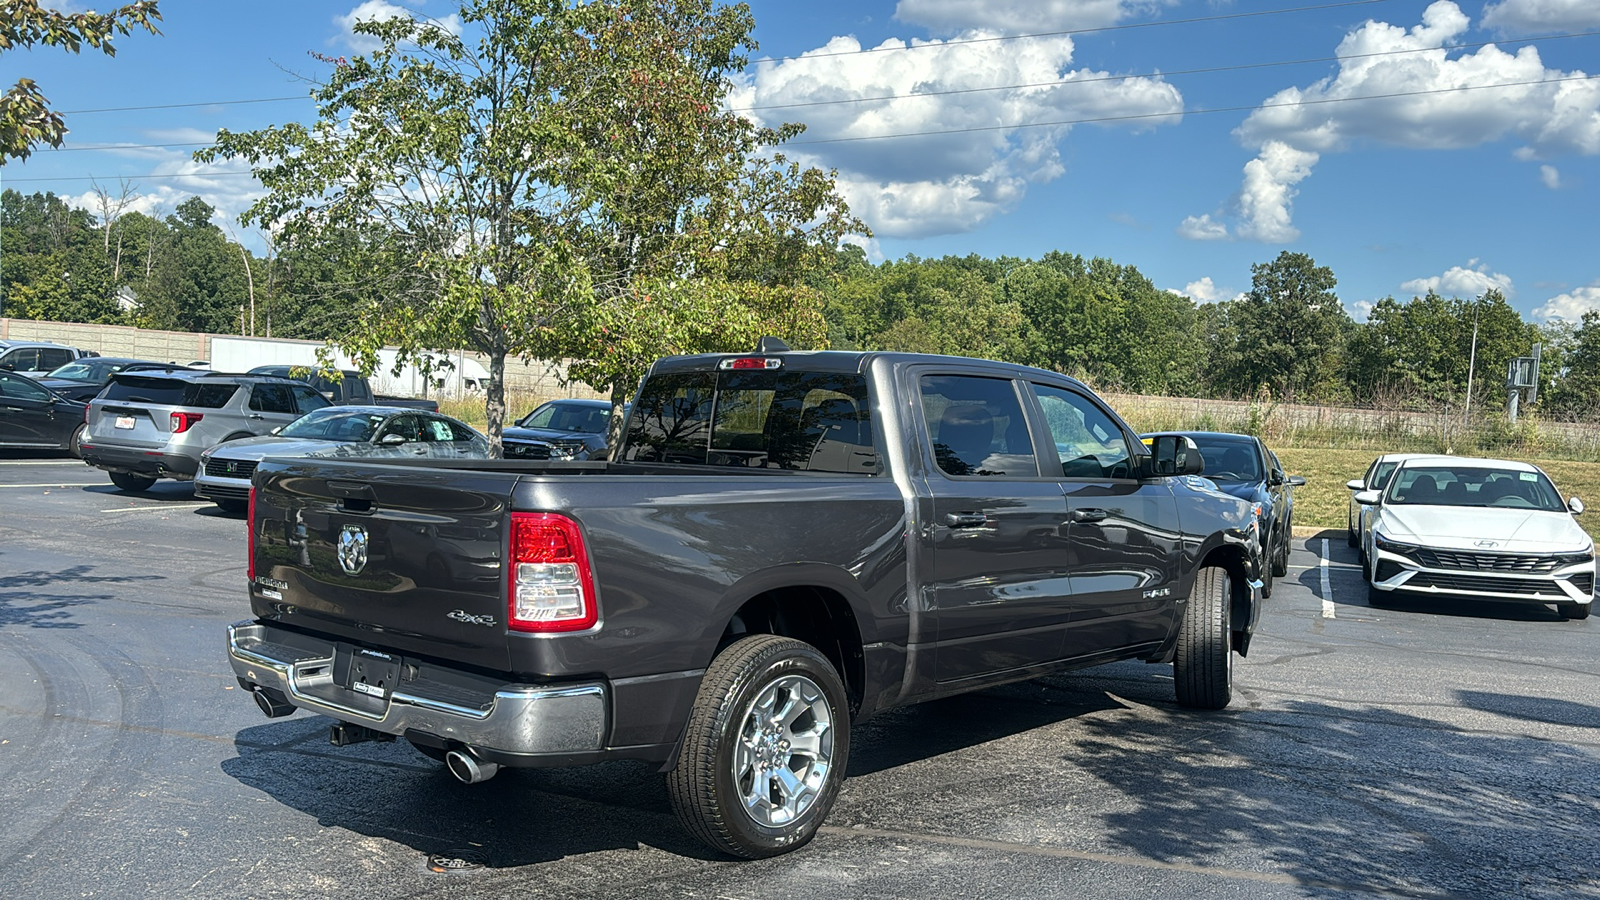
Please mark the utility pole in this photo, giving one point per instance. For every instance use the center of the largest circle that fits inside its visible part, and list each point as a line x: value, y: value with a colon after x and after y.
x: 1472, y: 362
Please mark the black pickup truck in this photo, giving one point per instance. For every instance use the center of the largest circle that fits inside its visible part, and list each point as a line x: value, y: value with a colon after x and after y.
x: 783, y: 544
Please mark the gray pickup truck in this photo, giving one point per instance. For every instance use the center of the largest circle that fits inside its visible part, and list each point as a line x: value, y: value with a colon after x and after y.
x: 782, y: 545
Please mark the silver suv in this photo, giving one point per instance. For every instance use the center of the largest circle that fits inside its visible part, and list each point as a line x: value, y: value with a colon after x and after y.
x: 146, y: 426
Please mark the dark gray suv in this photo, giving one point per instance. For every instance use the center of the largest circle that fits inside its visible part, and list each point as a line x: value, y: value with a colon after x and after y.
x: 146, y: 426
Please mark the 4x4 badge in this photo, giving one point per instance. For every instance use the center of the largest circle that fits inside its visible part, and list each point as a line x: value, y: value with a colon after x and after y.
x: 353, y: 549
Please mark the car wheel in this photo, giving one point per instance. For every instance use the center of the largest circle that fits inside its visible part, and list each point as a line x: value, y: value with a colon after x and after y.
x: 1375, y: 598
x: 233, y: 506
x: 1350, y: 538
x: 133, y: 484
x: 1280, y: 559
x: 74, y: 442
x: 764, y: 750
x: 1202, y: 669
x: 1573, y: 611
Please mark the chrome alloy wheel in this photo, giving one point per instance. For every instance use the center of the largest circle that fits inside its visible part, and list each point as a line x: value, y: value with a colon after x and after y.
x: 785, y: 750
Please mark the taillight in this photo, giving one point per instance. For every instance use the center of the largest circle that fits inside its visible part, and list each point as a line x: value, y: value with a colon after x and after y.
x: 551, y: 587
x: 250, y: 542
x: 181, y: 421
x: 751, y: 362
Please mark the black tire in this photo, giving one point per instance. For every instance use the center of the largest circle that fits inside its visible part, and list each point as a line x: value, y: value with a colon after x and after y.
x: 75, y: 440
x: 133, y: 484
x: 1350, y: 539
x: 1375, y: 598
x: 1202, y: 669
x: 705, y: 787
x: 1573, y: 611
x: 233, y: 506
x: 1266, y: 581
x: 1280, y: 559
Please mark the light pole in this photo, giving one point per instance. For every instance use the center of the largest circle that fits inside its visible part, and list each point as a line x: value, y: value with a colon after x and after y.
x: 1472, y: 362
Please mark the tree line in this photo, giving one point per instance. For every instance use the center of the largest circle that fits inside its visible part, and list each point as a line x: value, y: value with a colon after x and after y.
x: 1096, y: 319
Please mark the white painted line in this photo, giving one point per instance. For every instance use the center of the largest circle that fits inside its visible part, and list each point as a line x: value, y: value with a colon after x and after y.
x: 157, y: 508
x: 1327, y: 588
x: 56, y: 484
x: 38, y: 462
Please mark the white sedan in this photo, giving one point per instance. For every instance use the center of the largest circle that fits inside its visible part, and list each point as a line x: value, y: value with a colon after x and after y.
x: 1481, y: 529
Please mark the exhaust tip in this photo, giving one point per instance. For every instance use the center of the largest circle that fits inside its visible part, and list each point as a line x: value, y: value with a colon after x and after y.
x: 272, y: 702
x: 469, y: 769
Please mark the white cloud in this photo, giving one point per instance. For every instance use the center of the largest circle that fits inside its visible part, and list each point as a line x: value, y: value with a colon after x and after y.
x: 1551, y: 177
x: 1535, y: 16
x: 1469, y: 281
x: 380, y: 10
x: 1020, y: 16
x: 1428, y: 98
x: 967, y: 163
x: 1203, y: 291
x: 1203, y: 228
x: 1361, y: 309
x: 1571, y: 306
x: 1268, y: 192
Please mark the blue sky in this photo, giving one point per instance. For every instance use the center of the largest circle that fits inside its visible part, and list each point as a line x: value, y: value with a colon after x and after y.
x: 1405, y: 144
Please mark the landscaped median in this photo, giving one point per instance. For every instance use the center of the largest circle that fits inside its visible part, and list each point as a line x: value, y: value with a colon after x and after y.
x: 1324, y: 501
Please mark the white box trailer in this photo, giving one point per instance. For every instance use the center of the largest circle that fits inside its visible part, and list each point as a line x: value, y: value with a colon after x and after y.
x: 465, y: 375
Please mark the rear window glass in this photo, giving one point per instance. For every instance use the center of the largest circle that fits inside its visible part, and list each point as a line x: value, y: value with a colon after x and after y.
x: 806, y: 421
x: 169, y: 392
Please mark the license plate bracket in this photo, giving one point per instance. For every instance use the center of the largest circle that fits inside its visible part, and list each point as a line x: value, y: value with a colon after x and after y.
x: 369, y: 672
x: 124, y: 421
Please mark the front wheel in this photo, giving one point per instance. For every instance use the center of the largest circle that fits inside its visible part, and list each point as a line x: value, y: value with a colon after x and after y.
x: 764, y: 750
x: 1203, y: 667
x: 1280, y: 560
x: 1573, y: 611
x: 75, y: 443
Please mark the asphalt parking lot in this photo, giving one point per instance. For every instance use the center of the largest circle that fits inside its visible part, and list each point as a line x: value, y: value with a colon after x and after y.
x: 1430, y: 750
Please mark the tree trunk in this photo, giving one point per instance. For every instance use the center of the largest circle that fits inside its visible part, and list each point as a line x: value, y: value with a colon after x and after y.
x: 495, y: 401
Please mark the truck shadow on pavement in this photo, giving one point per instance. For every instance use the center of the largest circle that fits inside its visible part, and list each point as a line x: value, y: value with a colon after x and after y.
x: 44, y: 599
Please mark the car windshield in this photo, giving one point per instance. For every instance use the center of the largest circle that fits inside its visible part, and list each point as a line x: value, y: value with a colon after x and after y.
x: 1446, y: 485
x: 335, y: 424
x: 583, y: 418
x: 1380, y: 478
x: 1228, y: 459
x: 85, y: 370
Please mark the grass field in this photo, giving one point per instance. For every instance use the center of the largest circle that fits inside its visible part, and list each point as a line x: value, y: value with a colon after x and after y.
x: 1324, y: 501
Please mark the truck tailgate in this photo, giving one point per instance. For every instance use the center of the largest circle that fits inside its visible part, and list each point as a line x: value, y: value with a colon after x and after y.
x: 403, y: 558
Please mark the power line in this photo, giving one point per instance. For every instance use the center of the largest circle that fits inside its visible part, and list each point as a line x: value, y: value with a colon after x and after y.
x: 1202, y: 71
x: 1043, y: 34
x: 950, y: 43
x: 1013, y: 127
x: 1188, y: 112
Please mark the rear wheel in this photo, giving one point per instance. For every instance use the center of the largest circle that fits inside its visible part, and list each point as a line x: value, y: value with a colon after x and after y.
x: 1573, y: 611
x: 74, y: 443
x: 133, y: 484
x: 1202, y: 669
x: 1280, y: 559
x: 765, y: 748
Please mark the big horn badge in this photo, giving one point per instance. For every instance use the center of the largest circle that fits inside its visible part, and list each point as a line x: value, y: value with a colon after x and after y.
x: 353, y: 549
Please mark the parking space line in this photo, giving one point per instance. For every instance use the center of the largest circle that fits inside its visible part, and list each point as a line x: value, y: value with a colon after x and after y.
x: 149, y: 508
x: 56, y: 484
x: 1327, y: 587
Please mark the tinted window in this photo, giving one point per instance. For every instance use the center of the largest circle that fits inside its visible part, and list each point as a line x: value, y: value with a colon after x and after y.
x: 272, y: 398
x: 133, y: 389
x: 1473, y: 486
x: 444, y: 431
x: 811, y: 421
x: 405, y: 426
x: 54, y: 359
x: 977, y: 427
x: 308, y: 400
x: 579, y: 417
x: 1380, y: 480
x: 209, y: 396
x: 1088, y: 443
x: 25, y: 359
x: 21, y: 390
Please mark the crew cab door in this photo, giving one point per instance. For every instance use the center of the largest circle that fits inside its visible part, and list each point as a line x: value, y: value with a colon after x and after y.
x: 1124, y: 533
x: 993, y: 546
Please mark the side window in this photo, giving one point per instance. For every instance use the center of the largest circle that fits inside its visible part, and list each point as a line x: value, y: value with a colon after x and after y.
x: 24, y: 359
x: 977, y: 426
x: 405, y: 426
x: 440, y: 431
x: 18, y: 389
x: 1088, y: 443
x: 54, y: 359
x: 674, y: 420
x: 272, y: 398
x: 308, y: 399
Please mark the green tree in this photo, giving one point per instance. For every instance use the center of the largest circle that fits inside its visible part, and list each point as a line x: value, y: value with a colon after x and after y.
x: 1575, y: 394
x: 565, y: 181
x: 197, y: 282
x: 26, y: 119
x: 1291, y: 329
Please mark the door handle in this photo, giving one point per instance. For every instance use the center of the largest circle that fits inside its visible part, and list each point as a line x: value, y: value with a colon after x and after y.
x: 1089, y: 515
x: 965, y: 520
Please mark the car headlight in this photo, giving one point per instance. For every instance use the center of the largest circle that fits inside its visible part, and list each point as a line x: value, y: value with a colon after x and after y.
x: 566, y: 449
x: 1573, y: 559
x: 1391, y: 546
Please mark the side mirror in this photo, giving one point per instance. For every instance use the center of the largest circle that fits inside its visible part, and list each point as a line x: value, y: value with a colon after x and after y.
x: 392, y: 439
x: 1176, y: 454
x: 1369, y: 498
x: 1296, y: 480
x: 1356, y: 485
x: 1576, y: 506
x: 276, y: 430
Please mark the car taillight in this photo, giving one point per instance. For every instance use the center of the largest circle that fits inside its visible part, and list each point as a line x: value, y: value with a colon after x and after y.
x: 250, y: 542
x: 551, y: 587
x: 181, y: 421
x: 751, y: 362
